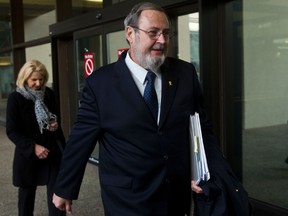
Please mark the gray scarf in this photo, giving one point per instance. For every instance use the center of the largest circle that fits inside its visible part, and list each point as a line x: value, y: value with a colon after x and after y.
x: 42, y: 113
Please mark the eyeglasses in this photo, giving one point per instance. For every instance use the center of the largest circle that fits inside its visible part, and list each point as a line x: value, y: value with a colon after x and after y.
x: 155, y: 34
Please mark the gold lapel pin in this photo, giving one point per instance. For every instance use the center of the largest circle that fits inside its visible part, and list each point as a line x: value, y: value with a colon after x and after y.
x: 170, y: 83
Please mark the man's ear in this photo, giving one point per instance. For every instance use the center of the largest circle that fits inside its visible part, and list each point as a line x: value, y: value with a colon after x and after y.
x: 129, y: 31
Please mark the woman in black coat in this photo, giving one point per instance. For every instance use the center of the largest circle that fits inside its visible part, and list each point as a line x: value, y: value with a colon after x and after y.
x: 32, y: 124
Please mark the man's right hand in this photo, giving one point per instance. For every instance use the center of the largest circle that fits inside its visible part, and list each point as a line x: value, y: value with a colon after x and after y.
x: 62, y: 204
x: 195, y: 187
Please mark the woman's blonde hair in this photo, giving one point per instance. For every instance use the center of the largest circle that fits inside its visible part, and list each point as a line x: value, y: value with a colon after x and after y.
x: 27, y: 69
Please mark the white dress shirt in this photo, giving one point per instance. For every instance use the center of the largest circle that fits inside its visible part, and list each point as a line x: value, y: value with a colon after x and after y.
x: 139, y: 74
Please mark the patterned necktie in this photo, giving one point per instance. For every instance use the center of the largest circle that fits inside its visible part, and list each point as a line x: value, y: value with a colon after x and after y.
x: 150, y: 95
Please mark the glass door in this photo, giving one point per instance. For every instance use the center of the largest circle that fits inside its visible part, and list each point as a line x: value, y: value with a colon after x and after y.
x: 265, y: 100
x: 94, y: 48
x: 188, y: 39
x: 115, y: 44
x: 89, y: 57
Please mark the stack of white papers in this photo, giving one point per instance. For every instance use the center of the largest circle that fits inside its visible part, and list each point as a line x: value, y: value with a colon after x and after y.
x: 199, y: 167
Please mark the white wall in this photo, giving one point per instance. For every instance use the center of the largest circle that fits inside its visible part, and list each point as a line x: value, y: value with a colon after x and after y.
x: 37, y: 28
x: 43, y: 54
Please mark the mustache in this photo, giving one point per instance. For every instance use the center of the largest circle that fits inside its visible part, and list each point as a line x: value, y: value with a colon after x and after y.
x: 158, y: 46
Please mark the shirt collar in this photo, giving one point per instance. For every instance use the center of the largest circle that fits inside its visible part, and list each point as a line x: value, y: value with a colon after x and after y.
x: 136, y: 70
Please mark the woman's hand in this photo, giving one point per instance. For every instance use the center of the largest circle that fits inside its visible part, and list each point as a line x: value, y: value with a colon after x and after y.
x: 53, y: 125
x: 41, y: 152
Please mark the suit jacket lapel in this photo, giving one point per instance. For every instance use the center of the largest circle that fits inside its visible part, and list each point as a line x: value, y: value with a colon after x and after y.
x: 125, y: 82
x: 169, y: 86
x: 127, y: 86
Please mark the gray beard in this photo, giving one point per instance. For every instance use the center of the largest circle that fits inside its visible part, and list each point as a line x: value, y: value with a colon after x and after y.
x: 150, y: 63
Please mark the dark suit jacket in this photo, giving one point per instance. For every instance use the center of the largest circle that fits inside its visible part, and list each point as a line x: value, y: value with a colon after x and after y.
x: 144, y: 168
x: 224, y: 194
x: 23, y: 130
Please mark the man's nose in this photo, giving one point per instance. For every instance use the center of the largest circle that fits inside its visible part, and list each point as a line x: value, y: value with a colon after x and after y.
x: 162, y: 38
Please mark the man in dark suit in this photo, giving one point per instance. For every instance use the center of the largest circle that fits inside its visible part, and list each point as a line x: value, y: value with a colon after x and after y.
x: 144, y: 155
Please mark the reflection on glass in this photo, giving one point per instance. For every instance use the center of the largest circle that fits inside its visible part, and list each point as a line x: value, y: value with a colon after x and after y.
x: 188, y: 39
x: 88, y: 59
x: 265, y: 106
x: 5, y: 25
x: 6, y: 61
x: 117, y: 1
x: 5, y: 35
x: 89, y: 45
x: 85, y: 6
x: 38, y: 15
x: 6, y: 82
x: 116, y: 43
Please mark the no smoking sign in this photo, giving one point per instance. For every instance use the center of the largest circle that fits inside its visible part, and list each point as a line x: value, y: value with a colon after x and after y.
x: 88, y: 63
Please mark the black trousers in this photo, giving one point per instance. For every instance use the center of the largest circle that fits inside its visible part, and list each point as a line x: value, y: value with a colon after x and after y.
x: 26, y: 200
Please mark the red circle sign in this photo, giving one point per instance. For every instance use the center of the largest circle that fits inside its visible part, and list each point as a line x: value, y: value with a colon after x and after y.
x: 88, y: 63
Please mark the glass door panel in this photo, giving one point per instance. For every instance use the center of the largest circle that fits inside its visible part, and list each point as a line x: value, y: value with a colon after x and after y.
x: 88, y: 58
x: 265, y: 100
x: 6, y: 82
x: 188, y: 39
x: 116, y: 43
